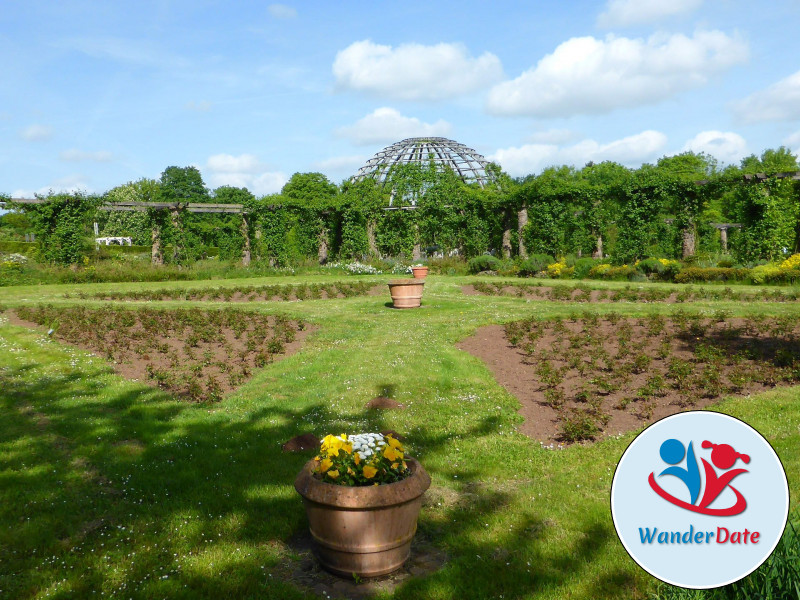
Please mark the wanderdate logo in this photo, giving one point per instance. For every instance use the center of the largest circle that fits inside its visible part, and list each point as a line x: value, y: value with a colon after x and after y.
x: 699, y: 499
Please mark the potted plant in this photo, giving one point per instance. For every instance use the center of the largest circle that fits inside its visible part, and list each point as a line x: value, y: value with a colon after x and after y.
x: 362, y: 496
x: 420, y: 271
x: 406, y: 293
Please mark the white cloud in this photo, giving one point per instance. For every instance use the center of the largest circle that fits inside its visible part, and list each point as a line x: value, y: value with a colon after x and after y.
x: 532, y: 158
x: 414, y: 71
x: 245, y: 170
x: 621, y: 13
x: 36, y: 133
x: 725, y: 146
x: 388, y: 125
x: 281, y: 11
x: 75, y: 155
x: 779, y: 102
x: 590, y: 76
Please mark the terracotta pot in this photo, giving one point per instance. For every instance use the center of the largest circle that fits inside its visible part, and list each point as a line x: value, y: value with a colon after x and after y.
x: 362, y: 530
x: 419, y: 272
x: 406, y: 293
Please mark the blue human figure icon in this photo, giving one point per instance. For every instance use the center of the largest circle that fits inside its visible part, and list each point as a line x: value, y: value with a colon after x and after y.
x: 672, y: 453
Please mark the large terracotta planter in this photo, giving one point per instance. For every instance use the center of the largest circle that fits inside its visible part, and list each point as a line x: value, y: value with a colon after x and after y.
x: 362, y: 530
x: 406, y: 293
x: 419, y: 272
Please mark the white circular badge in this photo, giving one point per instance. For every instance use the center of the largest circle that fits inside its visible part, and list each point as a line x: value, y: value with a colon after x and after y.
x: 699, y: 499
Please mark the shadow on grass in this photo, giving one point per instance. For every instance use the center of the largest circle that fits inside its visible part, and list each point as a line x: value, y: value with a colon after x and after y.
x: 122, y: 490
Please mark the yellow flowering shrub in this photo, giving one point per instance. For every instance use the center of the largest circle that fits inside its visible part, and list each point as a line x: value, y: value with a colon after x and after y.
x: 791, y: 263
x: 555, y: 269
x: 361, y: 459
x: 599, y: 270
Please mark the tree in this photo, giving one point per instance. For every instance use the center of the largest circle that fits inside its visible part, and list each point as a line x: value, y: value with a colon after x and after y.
x: 184, y: 185
x: 233, y: 231
x: 310, y: 189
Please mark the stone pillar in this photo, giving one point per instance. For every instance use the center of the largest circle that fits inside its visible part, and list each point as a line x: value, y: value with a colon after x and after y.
x: 373, y: 246
x: 522, y: 220
x: 723, y: 238
x: 598, y: 250
x: 322, y: 253
x: 176, y: 224
x: 246, y: 238
x: 689, y: 240
x: 156, y: 254
x: 506, y: 244
x: 416, y: 253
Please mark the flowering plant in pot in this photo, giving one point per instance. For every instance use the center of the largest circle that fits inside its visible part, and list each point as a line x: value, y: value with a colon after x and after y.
x: 362, y: 496
x: 419, y: 271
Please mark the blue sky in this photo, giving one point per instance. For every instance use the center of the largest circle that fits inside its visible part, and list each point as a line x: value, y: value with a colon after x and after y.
x: 95, y: 94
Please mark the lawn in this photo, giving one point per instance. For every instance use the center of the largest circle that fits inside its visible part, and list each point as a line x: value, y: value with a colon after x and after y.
x: 111, y: 487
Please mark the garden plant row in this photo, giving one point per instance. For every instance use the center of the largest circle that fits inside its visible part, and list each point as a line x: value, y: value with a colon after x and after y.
x: 195, y: 354
x: 591, y: 370
x: 241, y: 293
x: 585, y: 293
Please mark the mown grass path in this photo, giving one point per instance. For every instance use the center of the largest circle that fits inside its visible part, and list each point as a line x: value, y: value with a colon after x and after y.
x: 109, y: 487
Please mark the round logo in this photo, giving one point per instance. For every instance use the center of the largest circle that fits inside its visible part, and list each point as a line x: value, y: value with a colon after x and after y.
x: 699, y: 499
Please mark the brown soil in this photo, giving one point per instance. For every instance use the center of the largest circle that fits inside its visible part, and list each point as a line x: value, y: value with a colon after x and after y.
x: 197, y: 362
x: 620, y: 381
x: 384, y: 403
x: 302, y: 443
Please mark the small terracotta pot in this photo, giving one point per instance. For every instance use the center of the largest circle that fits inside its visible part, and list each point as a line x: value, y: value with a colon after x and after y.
x: 362, y: 530
x: 419, y: 272
x: 406, y: 293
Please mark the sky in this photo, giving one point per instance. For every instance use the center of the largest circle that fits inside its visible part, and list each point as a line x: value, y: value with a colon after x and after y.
x: 96, y: 94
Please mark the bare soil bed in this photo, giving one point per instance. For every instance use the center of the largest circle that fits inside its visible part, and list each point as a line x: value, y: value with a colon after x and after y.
x: 249, y: 293
x: 195, y: 354
x: 643, y: 293
x: 583, y: 378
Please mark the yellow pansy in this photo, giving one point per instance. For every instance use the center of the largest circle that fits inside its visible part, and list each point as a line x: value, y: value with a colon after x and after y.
x: 350, y: 471
x: 333, y: 474
x: 394, y: 443
x: 357, y: 458
x: 325, y: 465
x: 391, y: 453
x: 395, y: 465
x: 370, y: 472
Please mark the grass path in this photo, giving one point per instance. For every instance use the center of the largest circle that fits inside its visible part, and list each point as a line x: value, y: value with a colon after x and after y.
x: 111, y: 488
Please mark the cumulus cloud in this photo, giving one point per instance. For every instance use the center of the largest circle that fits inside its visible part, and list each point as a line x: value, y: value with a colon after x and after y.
x: 531, y: 158
x: 246, y: 171
x: 414, y: 71
x: 793, y: 142
x: 621, y: 13
x: 779, y: 102
x: 36, y: 133
x: 281, y: 11
x: 75, y: 155
x: 591, y: 76
x: 725, y: 146
x: 388, y: 125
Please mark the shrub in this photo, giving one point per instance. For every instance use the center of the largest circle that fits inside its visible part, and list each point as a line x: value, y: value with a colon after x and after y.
x: 650, y: 266
x: 726, y: 263
x: 583, y: 266
x: 792, y: 263
x: 554, y: 270
x: 535, y: 264
x: 700, y: 275
x: 483, y: 263
x: 611, y: 273
x: 765, y: 273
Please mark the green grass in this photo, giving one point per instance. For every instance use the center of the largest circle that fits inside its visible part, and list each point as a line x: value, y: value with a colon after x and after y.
x: 112, y: 488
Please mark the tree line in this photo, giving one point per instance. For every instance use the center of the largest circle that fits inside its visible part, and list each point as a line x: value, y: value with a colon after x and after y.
x: 600, y: 210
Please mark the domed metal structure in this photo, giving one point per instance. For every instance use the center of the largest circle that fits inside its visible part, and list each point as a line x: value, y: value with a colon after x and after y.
x: 468, y: 164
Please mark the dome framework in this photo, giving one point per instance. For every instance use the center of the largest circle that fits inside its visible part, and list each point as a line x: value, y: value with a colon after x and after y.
x: 466, y: 162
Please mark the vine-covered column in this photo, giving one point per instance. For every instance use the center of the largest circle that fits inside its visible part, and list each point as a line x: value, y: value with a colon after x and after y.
x: 246, y: 240
x: 522, y: 221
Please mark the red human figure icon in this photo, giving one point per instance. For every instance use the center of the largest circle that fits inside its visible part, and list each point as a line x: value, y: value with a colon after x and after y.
x: 724, y: 457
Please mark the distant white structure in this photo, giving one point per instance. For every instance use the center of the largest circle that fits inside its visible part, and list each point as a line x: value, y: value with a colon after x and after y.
x: 114, y: 241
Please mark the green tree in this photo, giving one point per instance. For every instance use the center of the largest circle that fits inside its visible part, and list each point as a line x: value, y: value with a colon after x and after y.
x: 229, y: 236
x: 190, y: 233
